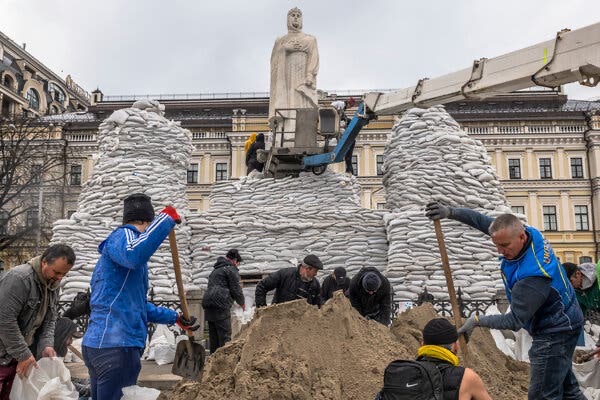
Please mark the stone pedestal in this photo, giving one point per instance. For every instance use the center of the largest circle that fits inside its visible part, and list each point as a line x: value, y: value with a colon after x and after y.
x: 194, y: 300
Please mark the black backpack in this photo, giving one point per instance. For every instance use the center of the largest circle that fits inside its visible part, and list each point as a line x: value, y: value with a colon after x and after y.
x: 411, y: 380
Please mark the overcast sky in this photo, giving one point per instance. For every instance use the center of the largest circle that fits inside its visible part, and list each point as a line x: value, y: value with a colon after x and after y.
x: 193, y: 46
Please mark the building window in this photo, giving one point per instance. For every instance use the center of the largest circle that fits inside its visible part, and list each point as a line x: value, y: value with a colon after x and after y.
x: 56, y: 93
x: 581, y: 218
x: 585, y: 259
x: 514, y: 168
x: 381, y: 206
x: 355, y: 165
x: 576, y: 168
x: 76, y: 175
x: 550, y: 218
x: 379, y: 161
x: 192, y: 173
x: 545, y: 168
x: 32, y: 219
x: 36, y: 173
x: 221, y: 172
x: 518, y: 209
x: 3, y: 222
x: 33, y: 99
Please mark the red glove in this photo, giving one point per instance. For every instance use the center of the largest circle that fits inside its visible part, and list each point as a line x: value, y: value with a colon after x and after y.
x: 171, y: 212
x: 187, y: 324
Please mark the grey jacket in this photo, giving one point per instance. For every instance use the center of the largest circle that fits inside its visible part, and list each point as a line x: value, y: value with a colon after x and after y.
x: 22, y: 294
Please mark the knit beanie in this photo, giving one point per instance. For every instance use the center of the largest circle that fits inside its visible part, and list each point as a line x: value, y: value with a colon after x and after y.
x: 138, y: 207
x: 439, y: 331
x: 371, y: 282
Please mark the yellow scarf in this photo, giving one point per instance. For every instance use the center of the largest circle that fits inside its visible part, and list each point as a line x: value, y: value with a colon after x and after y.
x: 439, y: 353
x: 248, y: 143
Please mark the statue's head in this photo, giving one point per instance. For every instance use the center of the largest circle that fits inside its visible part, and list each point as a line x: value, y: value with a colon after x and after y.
x: 294, y: 20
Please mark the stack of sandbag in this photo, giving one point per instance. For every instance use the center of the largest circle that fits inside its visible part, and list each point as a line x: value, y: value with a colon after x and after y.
x: 275, y: 223
x: 139, y: 152
x: 429, y: 158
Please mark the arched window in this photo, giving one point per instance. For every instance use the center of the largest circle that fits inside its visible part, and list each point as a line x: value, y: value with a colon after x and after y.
x: 56, y: 92
x: 8, y: 81
x: 34, y: 99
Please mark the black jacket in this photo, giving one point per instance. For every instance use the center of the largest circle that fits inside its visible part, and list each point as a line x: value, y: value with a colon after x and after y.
x: 377, y: 306
x: 223, y: 289
x: 288, y: 286
x: 251, y: 161
x: 330, y: 285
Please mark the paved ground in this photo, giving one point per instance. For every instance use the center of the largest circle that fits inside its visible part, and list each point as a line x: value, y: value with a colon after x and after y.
x: 152, y: 375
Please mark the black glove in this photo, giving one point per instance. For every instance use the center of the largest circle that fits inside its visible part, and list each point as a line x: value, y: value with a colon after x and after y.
x: 436, y: 210
x: 187, y: 324
x: 468, y: 326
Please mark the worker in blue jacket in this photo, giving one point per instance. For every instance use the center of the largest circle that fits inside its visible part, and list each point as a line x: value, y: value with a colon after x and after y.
x: 114, y: 341
x: 542, y: 300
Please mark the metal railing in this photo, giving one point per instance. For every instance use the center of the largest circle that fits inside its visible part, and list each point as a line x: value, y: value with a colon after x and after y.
x: 444, y: 307
x: 231, y: 95
x: 82, y: 322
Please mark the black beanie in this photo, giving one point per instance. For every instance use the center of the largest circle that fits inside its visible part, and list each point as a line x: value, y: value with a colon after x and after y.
x: 371, y: 282
x: 313, y: 261
x: 439, y: 331
x: 138, y: 207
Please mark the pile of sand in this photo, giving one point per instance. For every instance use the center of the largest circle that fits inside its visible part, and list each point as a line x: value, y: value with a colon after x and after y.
x: 294, y: 351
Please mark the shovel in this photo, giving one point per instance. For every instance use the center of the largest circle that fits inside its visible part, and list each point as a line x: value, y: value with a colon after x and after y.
x: 450, y: 284
x: 189, y: 355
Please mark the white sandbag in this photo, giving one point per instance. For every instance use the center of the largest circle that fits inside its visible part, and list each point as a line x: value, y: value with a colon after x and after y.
x: 139, y: 393
x: 162, y: 346
x: 588, y: 373
x: 51, y: 381
x: 523, y: 342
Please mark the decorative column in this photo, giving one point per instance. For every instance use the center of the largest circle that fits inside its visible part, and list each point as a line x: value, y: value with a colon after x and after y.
x: 206, y: 168
x: 500, y: 164
x: 566, y: 215
x: 560, y: 163
x: 534, y: 211
x: 530, y: 163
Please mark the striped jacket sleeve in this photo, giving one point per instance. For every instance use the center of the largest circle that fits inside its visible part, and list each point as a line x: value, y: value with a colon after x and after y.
x: 130, y: 251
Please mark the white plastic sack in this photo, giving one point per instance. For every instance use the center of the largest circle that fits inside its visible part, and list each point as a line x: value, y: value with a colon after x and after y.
x: 523, y: 342
x: 591, y: 393
x: 588, y: 374
x: 139, y: 393
x: 501, y: 342
x: 162, y: 346
x: 51, y: 381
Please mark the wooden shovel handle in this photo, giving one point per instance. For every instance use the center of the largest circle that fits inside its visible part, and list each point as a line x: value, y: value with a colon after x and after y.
x: 450, y: 284
x: 178, y: 278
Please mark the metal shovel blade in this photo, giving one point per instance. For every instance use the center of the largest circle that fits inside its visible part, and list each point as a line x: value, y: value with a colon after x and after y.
x: 189, y: 360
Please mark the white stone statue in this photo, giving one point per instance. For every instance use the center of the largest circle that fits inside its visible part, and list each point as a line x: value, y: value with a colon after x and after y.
x: 294, y: 67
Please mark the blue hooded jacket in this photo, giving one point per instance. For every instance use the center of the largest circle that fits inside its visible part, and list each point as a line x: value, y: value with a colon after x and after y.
x: 120, y: 310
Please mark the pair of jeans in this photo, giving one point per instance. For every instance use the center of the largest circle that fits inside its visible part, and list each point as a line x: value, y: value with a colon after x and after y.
x: 111, y: 369
x: 551, y: 376
x: 7, y: 377
x: 219, y: 333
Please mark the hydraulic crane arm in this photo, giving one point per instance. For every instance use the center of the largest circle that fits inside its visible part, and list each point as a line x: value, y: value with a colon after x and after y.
x: 573, y: 56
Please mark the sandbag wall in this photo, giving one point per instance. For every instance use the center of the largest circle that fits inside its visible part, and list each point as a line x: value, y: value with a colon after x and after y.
x: 139, y: 152
x: 274, y: 223
x: 428, y: 158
